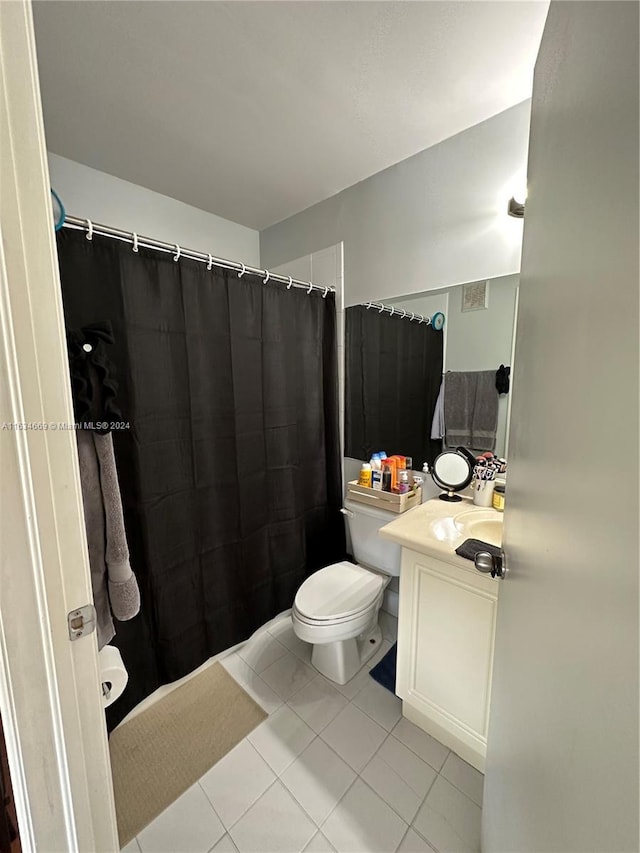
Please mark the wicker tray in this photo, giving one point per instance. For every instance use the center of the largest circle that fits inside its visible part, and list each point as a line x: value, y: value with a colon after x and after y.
x: 383, y: 500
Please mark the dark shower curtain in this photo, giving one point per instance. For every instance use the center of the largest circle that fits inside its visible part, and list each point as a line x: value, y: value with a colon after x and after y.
x: 230, y: 467
x: 393, y: 375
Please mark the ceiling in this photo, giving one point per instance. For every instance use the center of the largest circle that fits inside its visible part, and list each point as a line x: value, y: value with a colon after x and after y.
x: 257, y: 110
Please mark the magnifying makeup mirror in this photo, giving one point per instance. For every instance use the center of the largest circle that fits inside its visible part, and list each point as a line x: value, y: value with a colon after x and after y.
x: 453, y: 471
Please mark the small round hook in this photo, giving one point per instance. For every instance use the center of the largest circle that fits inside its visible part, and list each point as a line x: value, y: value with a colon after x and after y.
x: 310, y: 287
x: 242, y: 271
x: 324, y: 295
x: 210, y: 264
x: 176, y: 257
x: 135, y: 241
x: 266, y: 278
x: 381, y: 309
x: 404, y: 313
x: 368, y: 305
x: 392, y: 311
x: 413, y: 317
x: 89, y: 234
x: 290, y: 283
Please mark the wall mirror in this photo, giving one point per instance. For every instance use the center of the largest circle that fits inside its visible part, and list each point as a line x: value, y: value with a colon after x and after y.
x: 394, y: 366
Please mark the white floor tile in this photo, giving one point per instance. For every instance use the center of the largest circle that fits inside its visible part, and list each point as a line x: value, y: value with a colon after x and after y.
x: 225, y: 845
x: 380, y: 704
x: 319, y: 844
x: 284, y: 633
x: 275, y: 824
x: 399, y: 777
x: 425, y: 746
x: 413, y: 843
x: 363, y: 822
x: 189, y: 824
x: 385, y: 645
x: 449, y: 820
x: 354, y: 736
x: 351, y: 689
x: 252, y: 683
x: 236, y: 782
x: 317, y: 703
x: 281, y: 738
x: 317, y: 779
x: 261, y: 650
x: 131, y: 847
x: 287, y: 675
x: 465, y: 777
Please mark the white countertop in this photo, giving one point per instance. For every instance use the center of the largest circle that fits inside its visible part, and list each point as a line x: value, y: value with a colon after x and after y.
x: 431, y: 529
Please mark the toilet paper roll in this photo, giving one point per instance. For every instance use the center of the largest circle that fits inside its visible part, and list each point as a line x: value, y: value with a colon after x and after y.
x: 113, y: 674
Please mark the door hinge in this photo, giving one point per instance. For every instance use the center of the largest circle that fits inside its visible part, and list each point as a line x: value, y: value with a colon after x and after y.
x: 81, y: 621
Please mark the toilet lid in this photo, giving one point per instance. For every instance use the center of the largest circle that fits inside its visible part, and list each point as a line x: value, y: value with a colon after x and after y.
x: 337, y: 591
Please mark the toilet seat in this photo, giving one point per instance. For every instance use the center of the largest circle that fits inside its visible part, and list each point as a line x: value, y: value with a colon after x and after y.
x: 336, y: 594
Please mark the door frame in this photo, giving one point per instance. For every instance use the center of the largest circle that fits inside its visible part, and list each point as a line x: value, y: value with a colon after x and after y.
x: 50, y: 698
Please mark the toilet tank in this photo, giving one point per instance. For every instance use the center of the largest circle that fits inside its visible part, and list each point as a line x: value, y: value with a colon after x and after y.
x: 368, y: 548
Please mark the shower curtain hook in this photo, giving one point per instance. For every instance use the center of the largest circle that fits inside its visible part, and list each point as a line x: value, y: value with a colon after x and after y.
x: 242, y: 272
x: 413, y: 317
x: 266, y: 278
x: 324, y: 295
x: 381, y: 308
x: 210, y: 264
x: 89, y: 234
x: 290, y: 283
x: 135, y: 241
x: 176, y: 257
x: 404, y: 313
x: 310, y: 288
x: 392, y: 311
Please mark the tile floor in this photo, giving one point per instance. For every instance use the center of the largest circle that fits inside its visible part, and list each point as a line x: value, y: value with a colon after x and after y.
x: 333, y: 768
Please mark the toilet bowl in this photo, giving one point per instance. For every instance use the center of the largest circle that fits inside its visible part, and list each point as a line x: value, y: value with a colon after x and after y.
x: 336, y: 609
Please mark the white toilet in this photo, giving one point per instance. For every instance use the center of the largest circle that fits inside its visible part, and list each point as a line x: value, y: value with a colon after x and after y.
x: 336, y: 609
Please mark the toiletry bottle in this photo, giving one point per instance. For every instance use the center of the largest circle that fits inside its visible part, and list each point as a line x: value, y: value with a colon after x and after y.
x: 376, y: 480
x: 365, y: 475
x: 386, y: 476
x: 498, y: 497
x: 403, y: 481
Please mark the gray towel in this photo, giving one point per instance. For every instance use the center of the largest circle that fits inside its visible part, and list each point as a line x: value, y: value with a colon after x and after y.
x: 115, y: 589
x: 471, y: 409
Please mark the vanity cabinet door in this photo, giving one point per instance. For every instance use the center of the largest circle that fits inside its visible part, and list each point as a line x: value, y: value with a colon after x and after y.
x: 446, y: 634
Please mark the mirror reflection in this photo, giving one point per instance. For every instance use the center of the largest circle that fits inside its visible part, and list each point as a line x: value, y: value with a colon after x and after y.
x: 396, y: 360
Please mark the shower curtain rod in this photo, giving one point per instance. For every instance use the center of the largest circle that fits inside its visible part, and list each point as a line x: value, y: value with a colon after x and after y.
x: 178, y: 252
x: 380, y: 308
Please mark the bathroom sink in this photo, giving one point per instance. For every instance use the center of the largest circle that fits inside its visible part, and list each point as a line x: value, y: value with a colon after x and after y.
x: 481, y: 525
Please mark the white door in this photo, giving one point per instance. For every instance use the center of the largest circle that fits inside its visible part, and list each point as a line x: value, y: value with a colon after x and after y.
x: 562, y: 762
x: 49, y: 687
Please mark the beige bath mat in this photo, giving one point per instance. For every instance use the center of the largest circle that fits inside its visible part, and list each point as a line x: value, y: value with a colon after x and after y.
x: 165, y: 749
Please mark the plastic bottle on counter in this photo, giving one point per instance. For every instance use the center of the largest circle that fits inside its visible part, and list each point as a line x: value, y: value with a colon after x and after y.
x: 403, y: 481
x: 498, y: 497
x: 376, y: 480
x: 365, y: 475
x: 386, y: 478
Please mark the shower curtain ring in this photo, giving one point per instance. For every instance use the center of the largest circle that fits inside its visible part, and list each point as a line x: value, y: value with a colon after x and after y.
x: 135, y: 242
x: 176, y: 257
x: 404, y: 313
x: 324, y: 295
x: 392, y: 311
x: 381, y: 308
x: 266, y: 278
x: 242, y: 272
x: 413, y: 317
x: 210, y: 264
x: 310, y: 288
x: 89, y: 234
x: 290, y: 283
x: 368, y: 305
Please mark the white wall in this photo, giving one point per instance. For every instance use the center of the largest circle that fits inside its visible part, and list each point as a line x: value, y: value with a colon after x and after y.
x: 433, y: 220
x: 90, y: 194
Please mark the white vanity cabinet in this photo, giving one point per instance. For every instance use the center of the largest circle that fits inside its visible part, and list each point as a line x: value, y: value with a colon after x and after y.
x: 446, y: 631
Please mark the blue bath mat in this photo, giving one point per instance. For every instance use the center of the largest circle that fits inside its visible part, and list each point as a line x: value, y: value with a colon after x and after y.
x: 385, y: 671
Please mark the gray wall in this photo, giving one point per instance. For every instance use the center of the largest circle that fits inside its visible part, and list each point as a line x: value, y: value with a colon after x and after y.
x: 90, y: 194
x: 433, y: 220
